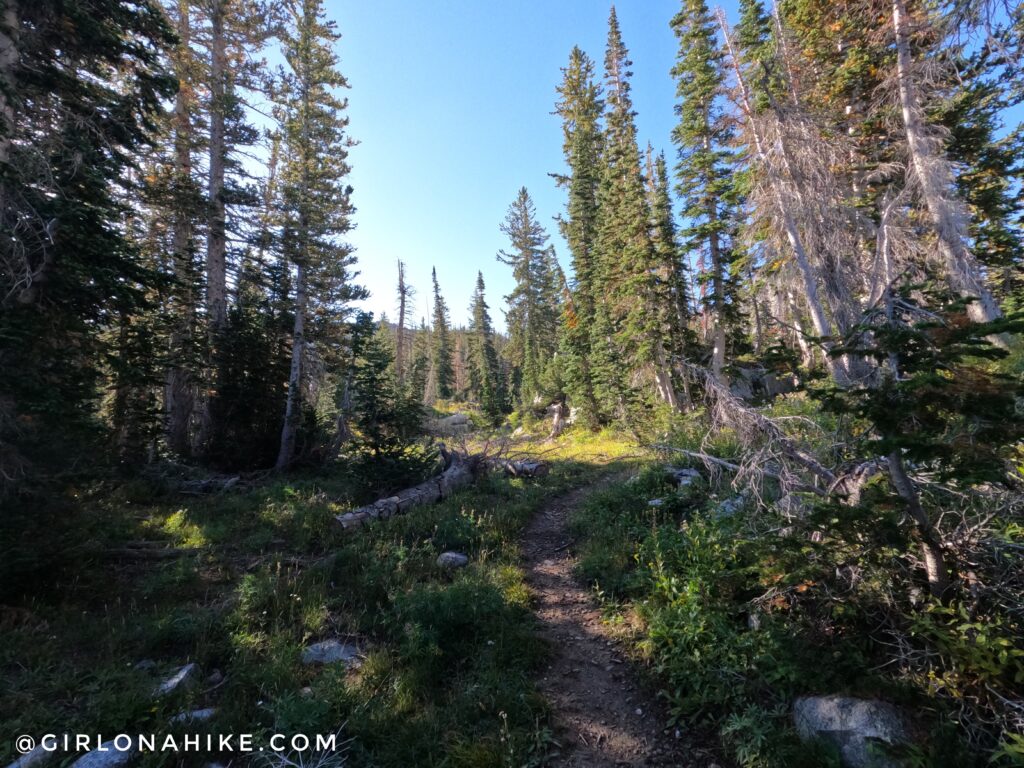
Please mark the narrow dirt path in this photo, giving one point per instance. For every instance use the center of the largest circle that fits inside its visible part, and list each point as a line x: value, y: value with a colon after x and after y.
x: 603, y: 716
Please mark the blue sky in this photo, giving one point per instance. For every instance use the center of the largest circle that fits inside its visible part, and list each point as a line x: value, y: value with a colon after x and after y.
x: 451, y: 102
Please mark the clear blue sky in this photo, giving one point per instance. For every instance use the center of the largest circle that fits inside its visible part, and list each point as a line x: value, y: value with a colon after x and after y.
x: 451, y: 102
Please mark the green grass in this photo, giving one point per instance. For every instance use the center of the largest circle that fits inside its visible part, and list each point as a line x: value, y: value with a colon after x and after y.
x: 450, y: 656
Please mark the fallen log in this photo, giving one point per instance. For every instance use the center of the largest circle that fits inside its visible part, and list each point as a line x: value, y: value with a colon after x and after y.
x: 459, y: 473
x: 523, y: 468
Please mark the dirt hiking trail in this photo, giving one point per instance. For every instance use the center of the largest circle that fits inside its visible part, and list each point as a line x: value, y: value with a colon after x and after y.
x: 604, y: 715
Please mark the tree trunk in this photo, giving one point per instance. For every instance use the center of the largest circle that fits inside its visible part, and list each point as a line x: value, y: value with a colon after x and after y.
x: 558, y: 416
x: 459, y: 474
x: 935, y: 180
x: 931, y: 547
x: 216, y: 241
x: 403, y: 296
x: 179, y: 395
x: 10, y: 22
x: 293, y: 404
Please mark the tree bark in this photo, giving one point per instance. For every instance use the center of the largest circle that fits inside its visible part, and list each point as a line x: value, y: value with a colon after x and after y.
x: 935, y: 180
x: 10, y: 21
x: 216, y: 240
x: 460, y: 473
x: 179, y: 395
x: 403, y: 297
x: 293, y: 404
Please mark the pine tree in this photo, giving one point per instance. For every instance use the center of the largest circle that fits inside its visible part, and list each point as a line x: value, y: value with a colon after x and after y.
x: 81, y: 86
x: 704, y: 171
x: 405, y: 294
x: 442, y: 372
x: 532, y: 314
x: 485, y: 371
x: 671, y: 271
x: 384, y: 418
x: 580, y: 108
x: 627, y: 333
x: 419, y: 368
x: 315, y: 200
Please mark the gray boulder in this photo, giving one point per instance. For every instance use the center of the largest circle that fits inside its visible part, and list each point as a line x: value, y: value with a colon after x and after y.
x: 181, y: 680
x: 37, y: 758
x: 195, y: 716
x: 857, y: 727
x: 107, y: 755
x: 452, y: 560
x: 730, y: 506
x: 331, y: 652
x: 682, y: 477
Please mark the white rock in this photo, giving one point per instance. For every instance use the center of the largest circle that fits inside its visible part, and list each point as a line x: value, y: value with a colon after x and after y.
x: 655, y: 502
x: 107, y: 755
x: 37, y: 758
x: 195, y: 716
x: 182, y: 679
x: 331, y: 652
x: 855, y: 726
x: 452, y: 560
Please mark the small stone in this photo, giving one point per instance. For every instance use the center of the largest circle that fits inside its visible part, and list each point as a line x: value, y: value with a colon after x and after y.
x: 452, y: 560
x: 195, y: 716
x: 216, y: 677
x: 145, y: 665
x: 330, y: 652
x: 639, y: 712
x: 655, y: 502
x: 183, y: 679
x: 306, y: 692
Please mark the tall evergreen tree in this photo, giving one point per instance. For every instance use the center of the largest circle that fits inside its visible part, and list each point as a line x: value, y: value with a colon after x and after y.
x: 419, y: 366
x: 627, y: 332
x: 670, y: 270
x: 442, y: 370
x: 315, y: 202
x: 704, y: 169
x: 484, y: 370
x: 532, y: 313
x: 580, y: 108
x: 81, y: 84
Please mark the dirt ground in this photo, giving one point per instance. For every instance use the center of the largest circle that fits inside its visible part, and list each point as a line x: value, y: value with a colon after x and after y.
x: 604, y: 715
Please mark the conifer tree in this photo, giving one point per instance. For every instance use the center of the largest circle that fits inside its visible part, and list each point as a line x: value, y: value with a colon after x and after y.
x: 384, y: 418
x: 671, y: 271
x: 627, y: 333
x: 315, y: 199
x: 532, y: 313
x: 80, y: 87
x: 442, y: 371
x: 580, y: 108
x: 484, y: 369
x: 419, y: 367
x: 405, y: 294
x: 703, y: 169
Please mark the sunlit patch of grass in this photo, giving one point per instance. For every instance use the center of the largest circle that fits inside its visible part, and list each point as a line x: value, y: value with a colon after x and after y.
x: 449, y: 656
